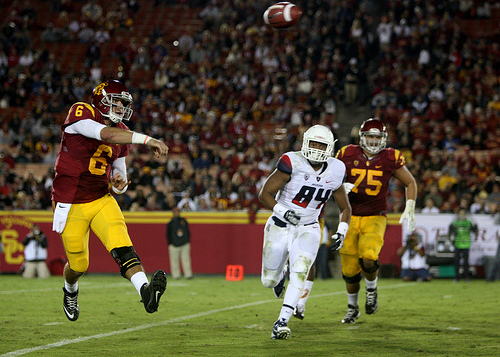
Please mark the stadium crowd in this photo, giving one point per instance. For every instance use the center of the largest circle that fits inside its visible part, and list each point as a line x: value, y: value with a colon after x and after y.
x: 233, y: 95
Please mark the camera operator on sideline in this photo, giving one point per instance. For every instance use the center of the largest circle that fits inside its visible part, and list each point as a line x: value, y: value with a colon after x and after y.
x: 413, y: 260
x: 35, y: 254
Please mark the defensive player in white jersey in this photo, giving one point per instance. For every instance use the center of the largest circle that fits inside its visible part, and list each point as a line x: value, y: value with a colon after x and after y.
x: 296, y: 192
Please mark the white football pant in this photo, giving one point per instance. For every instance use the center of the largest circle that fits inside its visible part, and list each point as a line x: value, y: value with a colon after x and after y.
x: 300, y: 245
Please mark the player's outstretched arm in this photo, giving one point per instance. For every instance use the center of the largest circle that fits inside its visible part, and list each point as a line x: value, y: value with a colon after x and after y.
x: 121, y: 136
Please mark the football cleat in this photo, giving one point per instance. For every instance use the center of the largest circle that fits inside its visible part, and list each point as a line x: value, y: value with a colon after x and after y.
x: 152, y: 292
x: 280, y: 330
x: 351, y: 315
x: 279, y: 290
x: 299, y: 313
x: 70, y: 305
x: 371, y: 305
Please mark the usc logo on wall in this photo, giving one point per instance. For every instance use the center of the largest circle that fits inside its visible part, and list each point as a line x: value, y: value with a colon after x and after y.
x: 13, y: 227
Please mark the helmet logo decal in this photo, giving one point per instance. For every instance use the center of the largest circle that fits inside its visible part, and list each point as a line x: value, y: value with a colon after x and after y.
x: 99, y: 88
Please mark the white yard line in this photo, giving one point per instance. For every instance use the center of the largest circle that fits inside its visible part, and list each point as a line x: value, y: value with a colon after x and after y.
x: 166, y: 322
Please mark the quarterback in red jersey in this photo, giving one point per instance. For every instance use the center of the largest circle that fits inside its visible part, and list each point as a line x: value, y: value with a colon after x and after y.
x: 94, y: 145
x: 369, y: 167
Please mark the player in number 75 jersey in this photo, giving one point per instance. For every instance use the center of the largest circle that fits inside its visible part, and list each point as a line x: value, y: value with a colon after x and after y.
x: 296, y: 192
x: 369, y: 167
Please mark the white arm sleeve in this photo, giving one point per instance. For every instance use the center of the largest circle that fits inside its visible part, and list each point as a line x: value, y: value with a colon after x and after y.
x: 86, y: 127
x: 119, y: 166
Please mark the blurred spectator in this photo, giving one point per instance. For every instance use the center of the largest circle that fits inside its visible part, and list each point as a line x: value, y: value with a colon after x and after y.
x: 422, y: 53
x: 186, y: 203
x: 186, y: 42
x: 86, y: 33
x: 430, y: 207
x: 92, y: 10
x: 351, y: 82
x: 202, y: 162
x: 479, y: 205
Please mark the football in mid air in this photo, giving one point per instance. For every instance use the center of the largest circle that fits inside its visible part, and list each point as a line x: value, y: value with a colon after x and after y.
x: 282, y: 15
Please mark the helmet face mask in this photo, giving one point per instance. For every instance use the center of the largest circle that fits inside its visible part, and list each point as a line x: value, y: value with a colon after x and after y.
x: 373, y: 136
x: 113, y: 100
x: 319, y: 134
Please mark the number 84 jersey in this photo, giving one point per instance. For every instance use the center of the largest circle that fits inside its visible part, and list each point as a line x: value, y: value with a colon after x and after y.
x: 308, y: 190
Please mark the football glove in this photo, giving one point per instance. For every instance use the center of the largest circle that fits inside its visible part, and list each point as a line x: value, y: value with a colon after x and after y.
x: 348, y: 187
x: 289, y: 215
x: 60, y: 216
x: 337, y: 242
x: 292, y: 217
x: 409, y: 215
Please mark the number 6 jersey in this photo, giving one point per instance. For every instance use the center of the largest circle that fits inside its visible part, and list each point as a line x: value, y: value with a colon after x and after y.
x: 308, y: 190
x: 83, y: 164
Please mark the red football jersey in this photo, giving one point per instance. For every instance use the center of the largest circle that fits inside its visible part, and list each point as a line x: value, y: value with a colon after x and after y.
x: 371, y: 177
x: 83, y: 165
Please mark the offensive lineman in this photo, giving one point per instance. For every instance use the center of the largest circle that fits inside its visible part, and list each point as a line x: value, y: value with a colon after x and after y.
x: 369, y: 167
x: 296, y: 192
x: 94, y: 145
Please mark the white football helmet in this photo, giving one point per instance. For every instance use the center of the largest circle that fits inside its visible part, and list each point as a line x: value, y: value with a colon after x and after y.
x: 378, y: 136
x: 320, y: 134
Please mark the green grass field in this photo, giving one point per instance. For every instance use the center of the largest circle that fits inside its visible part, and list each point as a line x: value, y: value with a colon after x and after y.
x: 209, y: 316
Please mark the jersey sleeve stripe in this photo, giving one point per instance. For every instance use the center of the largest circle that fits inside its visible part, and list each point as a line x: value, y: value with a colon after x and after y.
x: 284, y: 164
x: 340, y: 153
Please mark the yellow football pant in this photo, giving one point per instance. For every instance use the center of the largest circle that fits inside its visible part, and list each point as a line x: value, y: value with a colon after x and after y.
x: 106, y: 220
x: 364, y: 239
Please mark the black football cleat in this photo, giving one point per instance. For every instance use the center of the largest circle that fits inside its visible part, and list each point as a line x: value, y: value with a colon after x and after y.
x: 70, y: 305
x: 371, y: 305
x: 352, y: 315
x: 298, y: 313
x: 280, y: 330
x: 152, y: 292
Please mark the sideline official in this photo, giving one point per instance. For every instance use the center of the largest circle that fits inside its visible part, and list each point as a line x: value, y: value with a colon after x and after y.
x: 179, y: 246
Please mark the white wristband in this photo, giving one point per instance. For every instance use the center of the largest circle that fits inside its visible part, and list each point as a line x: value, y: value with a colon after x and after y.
x: 117, y: 191
x: 141, y: 139
x: 342, y: 228
x: 279, y: 209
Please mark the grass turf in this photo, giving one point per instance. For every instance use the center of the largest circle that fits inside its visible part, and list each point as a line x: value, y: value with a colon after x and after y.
x: 209, y: 316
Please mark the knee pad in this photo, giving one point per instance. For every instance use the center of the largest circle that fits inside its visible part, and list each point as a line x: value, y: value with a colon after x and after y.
x: 352, y: 279
x: 350, y: 265
x: 299, y: 271
x: 268, y: 283
x: 126, y: 258
x: 373, y: 269
x: 78, y: 262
